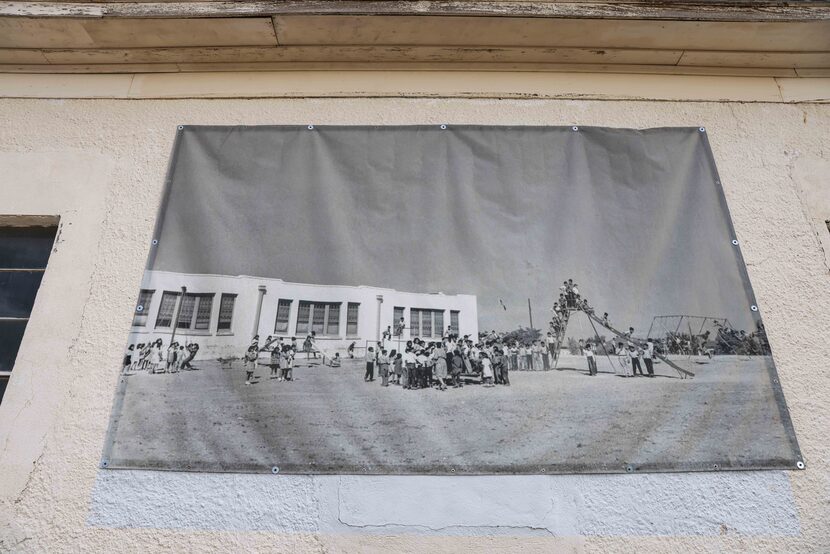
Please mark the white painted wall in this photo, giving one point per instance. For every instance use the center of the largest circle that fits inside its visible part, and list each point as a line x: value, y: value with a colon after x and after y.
x: 100, y: 165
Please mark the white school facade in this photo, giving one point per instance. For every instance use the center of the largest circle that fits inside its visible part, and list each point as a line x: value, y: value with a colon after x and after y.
x: 222, y: 313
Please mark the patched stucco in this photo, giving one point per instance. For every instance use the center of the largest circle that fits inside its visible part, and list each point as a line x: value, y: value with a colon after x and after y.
x: 104, y: 161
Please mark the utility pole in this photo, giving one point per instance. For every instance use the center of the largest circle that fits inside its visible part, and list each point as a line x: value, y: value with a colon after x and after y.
x: 178, y: 313
x: 530, y: 313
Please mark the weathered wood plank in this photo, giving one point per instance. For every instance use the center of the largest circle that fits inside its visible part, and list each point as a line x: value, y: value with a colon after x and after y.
x: 495, y: 31
x: 22, y: 56
x: 134, y: 33
x: 349, y: 54
x: 757, y: 59
x: 361, y: 54
x: 663, y: 10
x: 409, y: 66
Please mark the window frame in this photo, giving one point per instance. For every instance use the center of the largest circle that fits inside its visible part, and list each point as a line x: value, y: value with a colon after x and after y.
x: 144, y: 305
x: 24, y: 222
x: 229, y: 329
x: 317, y: 318
x: 356, y: 322
x: 287, y: 303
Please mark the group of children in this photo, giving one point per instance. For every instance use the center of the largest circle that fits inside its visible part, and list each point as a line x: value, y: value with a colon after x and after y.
x: 154, y: 358
x: 280, y: 358
x: 439, y: 364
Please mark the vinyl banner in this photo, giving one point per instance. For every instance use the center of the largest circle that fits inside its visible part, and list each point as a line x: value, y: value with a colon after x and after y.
x: 446, y: 300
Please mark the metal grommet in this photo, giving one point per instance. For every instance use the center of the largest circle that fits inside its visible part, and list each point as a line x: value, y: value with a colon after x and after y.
x: 155, y: 242
x: 105, y: 463
x: 311, y: 127
x: 754, y: 308
x: 275, y: 470
x: 735, y: 242
x: 716, y: 466
x: 574, y: 128
x: 181, y: 127
x: 702, y: 129
x: 139, y: 308
x: 452, y: 470
x: 629, y: 469
x: 443, y: 126
x: 542, y: 470
x: 799, y: 464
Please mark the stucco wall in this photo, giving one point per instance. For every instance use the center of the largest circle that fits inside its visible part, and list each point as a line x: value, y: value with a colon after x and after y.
x: 100, y: 165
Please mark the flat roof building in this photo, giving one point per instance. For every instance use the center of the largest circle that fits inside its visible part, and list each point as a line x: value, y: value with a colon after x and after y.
x: 222, y: 313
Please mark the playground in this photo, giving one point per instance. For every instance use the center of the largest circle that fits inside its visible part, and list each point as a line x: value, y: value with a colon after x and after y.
x: 330, y: 420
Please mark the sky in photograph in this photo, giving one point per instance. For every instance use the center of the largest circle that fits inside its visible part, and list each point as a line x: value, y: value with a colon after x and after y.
x: 635, y: 217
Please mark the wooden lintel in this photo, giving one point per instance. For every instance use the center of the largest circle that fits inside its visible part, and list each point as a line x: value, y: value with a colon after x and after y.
x: 711, y: 10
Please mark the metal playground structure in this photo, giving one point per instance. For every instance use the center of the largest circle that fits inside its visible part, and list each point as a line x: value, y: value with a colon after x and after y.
x: 688, y: 335
x: 574, y: 305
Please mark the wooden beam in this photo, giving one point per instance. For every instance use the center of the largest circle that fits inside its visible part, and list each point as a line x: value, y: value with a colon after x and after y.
x: 412, y: 54
x: 735, y: 10
x: 500, y: 31
x: 134, y: 33
x: 436, y: 54
x: 134, y: 68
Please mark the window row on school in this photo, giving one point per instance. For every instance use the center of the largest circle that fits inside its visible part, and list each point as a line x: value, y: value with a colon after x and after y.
x: 194, y: 311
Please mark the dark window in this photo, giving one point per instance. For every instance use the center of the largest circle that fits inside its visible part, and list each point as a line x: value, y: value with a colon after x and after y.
x: 283, y: 316
x: 303, y: 316
x: 321, y: 317
x: 351, y: 318
x: 204, y: 311
x: 166, y: 308
x: 226, y: 304
x: 414, y: 322
x: 454, y: 321
x: 333, y: 319
x: 199, y: 305
x: 24, y: 252
x: 142, y: 307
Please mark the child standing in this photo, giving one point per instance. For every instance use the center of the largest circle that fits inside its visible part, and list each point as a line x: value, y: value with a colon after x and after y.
x: 383, y: 367
x: 276, y: 354
x: 370, y: 365
x: 250, y: 363
x: 486, y: 370
x: 398, y: 365
x: 589, y: 355
x: 172, y: 355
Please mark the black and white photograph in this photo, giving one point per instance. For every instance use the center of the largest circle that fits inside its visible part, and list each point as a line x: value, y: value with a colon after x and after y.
x: 446, y: 300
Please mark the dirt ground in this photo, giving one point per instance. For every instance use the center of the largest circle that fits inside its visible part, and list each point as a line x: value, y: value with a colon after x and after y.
x: 329, y: 420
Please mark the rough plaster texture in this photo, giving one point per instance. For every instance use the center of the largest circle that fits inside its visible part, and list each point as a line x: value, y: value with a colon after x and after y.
x: 102, y: 164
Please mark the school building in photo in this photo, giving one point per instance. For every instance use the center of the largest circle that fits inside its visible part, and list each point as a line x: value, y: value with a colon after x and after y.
x: 222, y: 313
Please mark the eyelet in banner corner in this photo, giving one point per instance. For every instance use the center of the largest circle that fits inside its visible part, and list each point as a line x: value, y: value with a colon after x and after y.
x: 139, y: 308
x: 574, y: 128
x: 155, y: 242
x: 180, y: 127
x: 702, y: 129
x: 105, y: 463
x: 275, y: 470
x: 735, y: 242
x: 311, y: 127
x: 629, y: 468
x: 443, y: 127
x: 799, y: 464
x: 754, y: 308
x: 452, y: 470
x: 715, y: 466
